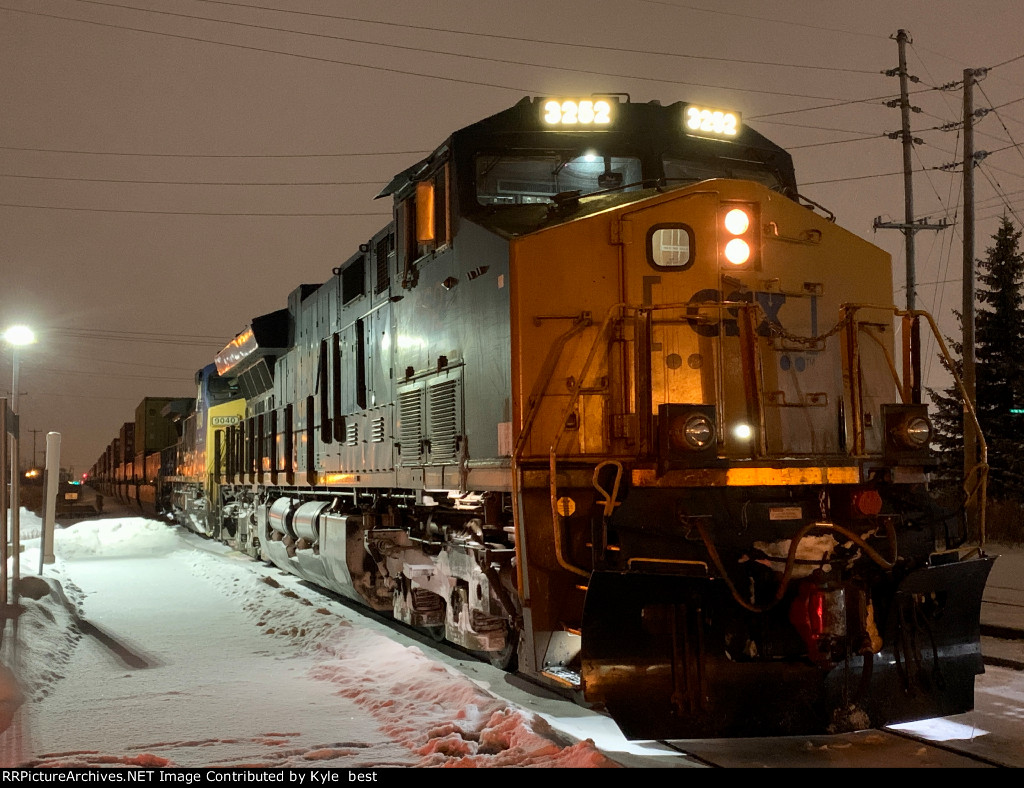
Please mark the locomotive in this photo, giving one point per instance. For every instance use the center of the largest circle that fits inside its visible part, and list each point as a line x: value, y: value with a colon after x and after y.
x: 611, y: 403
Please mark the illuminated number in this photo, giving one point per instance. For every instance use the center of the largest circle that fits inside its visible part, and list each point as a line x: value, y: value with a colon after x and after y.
x: 710, y: 121
x: 572, y: 112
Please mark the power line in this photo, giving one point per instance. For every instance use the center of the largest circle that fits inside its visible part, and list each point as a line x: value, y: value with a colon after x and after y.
x: 264, y: 50
x: 873, y: 100
x: 329, y: 215
x: 518, y: 39
x: 216, y: 155
x: 192, y: 183
x: 835, y: 142
x: 142, y: 336
x: 998, y: 190
x: 854, y: 178
x: 404, y: 72
x: 84, y: 396
x: 180, y: 379
x: 743, y: 16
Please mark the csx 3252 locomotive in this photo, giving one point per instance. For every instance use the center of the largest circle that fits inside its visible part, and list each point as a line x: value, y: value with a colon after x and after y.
x: 612, y: 403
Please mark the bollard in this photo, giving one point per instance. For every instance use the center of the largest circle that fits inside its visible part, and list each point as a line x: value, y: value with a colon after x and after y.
x: 50, y: 502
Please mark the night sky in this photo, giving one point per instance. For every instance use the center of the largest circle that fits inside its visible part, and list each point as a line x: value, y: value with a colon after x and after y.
x: 168, y: 174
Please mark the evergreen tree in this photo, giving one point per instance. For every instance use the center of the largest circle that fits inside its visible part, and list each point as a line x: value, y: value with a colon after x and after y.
x: 999, y: 373
x: 947, y: 415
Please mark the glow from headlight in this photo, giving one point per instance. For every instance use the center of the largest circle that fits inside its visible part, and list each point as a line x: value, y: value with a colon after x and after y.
x: 737, y: 222
x: 737, y: 251
x: 406, y: 342
x: 742, y: 431
x: 940, y: 729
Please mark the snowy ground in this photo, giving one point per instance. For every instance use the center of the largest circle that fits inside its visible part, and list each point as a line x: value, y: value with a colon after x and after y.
x: 148, y: 646
x: 148, y: 649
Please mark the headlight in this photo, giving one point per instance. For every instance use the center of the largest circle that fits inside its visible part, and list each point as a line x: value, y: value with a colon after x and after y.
x: 915, y: 432
x: 688, y: 435
x: 698, y: 431
x: 908, y: 435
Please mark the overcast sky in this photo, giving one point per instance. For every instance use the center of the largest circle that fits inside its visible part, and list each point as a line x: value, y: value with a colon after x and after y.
x: 167, y: 174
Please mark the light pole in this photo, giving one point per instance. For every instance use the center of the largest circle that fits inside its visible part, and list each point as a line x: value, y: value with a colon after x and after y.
x: 16, y: 337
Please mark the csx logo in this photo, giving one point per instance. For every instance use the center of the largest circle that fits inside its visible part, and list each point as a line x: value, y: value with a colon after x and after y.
x: 769, y: 303
x: 224, y: 421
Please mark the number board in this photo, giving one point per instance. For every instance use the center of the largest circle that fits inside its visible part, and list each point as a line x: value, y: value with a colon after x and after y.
x: 573, y: 113
x: 701, y: 121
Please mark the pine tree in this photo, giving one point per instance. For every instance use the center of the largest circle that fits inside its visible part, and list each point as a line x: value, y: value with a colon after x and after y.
x: 999, y: 373
x: 948, y: 421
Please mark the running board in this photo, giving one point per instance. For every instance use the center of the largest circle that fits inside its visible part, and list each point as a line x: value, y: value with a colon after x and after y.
x: 567, y: 677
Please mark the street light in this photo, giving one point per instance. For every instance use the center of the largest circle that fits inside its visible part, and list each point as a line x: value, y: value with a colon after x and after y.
x: 16, y: 337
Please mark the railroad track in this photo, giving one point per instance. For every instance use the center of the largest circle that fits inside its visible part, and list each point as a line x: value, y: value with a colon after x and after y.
x: 1002, y: 620
x: 966, y: 741
x: 864, y: 749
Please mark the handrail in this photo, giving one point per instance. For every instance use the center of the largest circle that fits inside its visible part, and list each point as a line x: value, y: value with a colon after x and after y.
x: 536, y: 396
x: 975, y: 482
x: 560, y: 553
x: 981, y: 468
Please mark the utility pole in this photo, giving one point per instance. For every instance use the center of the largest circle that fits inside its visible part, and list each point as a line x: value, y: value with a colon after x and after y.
x: 970, y: 439
x: 971, y: 159
x: 909, y: 226
x: 34, y: 433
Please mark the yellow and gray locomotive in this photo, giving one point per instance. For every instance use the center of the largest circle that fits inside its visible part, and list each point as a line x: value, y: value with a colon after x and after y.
x: 612, y: 403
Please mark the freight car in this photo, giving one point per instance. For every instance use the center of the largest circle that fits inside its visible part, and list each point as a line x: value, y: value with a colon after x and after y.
x: 130, y: 470
x: 612, y: 403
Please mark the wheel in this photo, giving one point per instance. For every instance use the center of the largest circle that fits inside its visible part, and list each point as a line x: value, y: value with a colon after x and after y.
x: 507, y: 658
x: 436, y: 633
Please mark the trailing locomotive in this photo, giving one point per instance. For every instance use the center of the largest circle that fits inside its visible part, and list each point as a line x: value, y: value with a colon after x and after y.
x: 610, y: 402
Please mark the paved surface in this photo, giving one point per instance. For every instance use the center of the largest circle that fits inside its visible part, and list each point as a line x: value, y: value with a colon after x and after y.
x: 1002, y: 609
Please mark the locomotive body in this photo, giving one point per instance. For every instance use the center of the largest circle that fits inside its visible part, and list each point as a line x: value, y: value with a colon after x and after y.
x: 609, y: 402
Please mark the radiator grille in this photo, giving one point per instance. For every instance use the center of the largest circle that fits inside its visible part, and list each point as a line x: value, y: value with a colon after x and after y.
x: 444, y: 421
x: 410, y: 425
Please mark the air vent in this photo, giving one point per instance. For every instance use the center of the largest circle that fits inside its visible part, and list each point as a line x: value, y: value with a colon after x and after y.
x: 377, y: 430
x: 444, y: 421
x: 410, y: 425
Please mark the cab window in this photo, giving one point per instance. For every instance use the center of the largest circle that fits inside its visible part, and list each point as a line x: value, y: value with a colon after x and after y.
x: 536, y: 178
x: 680, y: 170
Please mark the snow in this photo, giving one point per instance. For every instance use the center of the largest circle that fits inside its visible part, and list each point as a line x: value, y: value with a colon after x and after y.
x: 151, y: 647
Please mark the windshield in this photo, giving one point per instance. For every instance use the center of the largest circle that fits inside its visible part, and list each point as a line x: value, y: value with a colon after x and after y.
x: 678, y: 169
x: 536, y: 177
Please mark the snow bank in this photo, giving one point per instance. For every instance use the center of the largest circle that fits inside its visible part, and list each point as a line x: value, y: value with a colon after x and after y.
x: 440, y: 716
